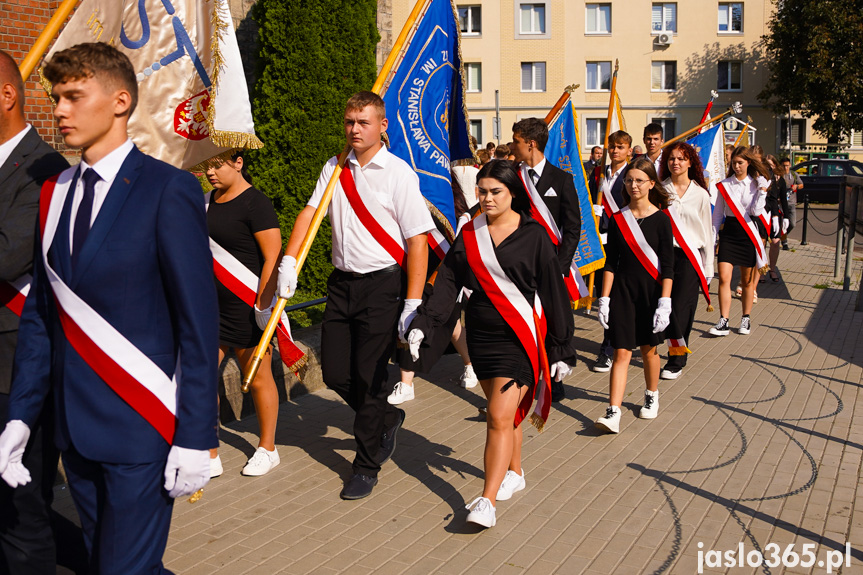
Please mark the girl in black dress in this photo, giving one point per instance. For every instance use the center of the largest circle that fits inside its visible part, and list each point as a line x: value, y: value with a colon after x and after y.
x: 642, y: 305
x: 528, y: 259
x: 241, y: 219
x: 777, y: 205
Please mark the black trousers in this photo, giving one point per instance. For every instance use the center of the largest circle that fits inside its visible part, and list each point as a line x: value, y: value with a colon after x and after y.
x: 684, y: 301
x: 358, y: 337
x: 26, y: 538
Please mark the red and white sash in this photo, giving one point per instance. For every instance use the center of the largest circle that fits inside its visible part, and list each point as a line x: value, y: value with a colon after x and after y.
x: 747, y: 224
x: 578, y: 292
x: 438, y: 243
x: 13, y: 294
x: 694, y: 256
x: 377, y: 221
x: 240, y: 280
x: 526, y: 320
x: 122, y: 366
x: 633, y: 235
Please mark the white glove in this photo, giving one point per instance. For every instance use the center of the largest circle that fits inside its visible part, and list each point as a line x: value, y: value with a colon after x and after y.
x: 186, y: 471
x: 785, y: 224
x: 662, y: 315
x: 13, y: 441
x: 415, y: 338
x: 408, y: 314
x: 559, y: 370
x: 287, y: 282
x: 775, y: 221
x: 602, y: 311
x: 262, y: 316
x: 597, y: 210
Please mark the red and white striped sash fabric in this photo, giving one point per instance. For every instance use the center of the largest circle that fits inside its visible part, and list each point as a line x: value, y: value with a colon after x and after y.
x: 526, y: 320
x: 677, y: 346
x: 122, y: 366
x: 608, y: 203
x: 633, y: 235
x: 13, y: 294
x: 377, y: 221
x: 539, y: 211
x: 694, y: 256
x: 438, y: 243
x: 747, y: 224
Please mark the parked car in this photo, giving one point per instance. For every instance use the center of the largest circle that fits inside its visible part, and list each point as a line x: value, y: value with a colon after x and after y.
x: 823, y: 176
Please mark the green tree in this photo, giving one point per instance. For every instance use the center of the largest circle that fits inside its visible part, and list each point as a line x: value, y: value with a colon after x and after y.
x: 815, y: 50
x: 313, y: 54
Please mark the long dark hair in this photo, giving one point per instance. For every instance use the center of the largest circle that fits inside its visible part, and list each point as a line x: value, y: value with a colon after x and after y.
x: 657, y: 195
x: 458, y: 200
x: 696, y: 170
x: 504, y: 172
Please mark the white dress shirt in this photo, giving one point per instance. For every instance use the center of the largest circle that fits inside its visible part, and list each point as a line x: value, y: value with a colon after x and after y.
x: 538, y: 168
x: 694, y: 211
x: 10, y: 144
x: 107, y: 169
x: 750, y: 194
x: 396, y: 186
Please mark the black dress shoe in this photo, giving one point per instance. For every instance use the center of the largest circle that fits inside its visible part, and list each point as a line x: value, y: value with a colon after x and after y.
x: 388, y: 439
x: 558, y: 393
x: 358, y: 486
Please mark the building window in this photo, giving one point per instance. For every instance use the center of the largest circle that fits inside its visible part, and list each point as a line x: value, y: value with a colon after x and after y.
x: 730, y: 76
x: 664, y: 18
x: 476, y: 130
x: 473, y: 71
x: 663, y: 76
x: 598, y: 19
x: 595, y: 132
x: 598, y: 76
x: 798, y: 131
x: 533, y: 76
x: 470, y: 20
x: 532, y: 18
x: 856, y: 138
x: 669, y: 126
x: 731, y: 17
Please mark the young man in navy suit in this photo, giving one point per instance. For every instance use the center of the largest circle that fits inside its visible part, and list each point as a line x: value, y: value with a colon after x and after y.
x: 121, y: 323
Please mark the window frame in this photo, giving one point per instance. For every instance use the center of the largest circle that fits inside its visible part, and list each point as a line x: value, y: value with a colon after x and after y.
x: 781, y: 132
x: 587, y: 8
x: 545, y: 19
x: 662, y: 79
x: 480, y: 121
x: 661, y: 121
x: 602, y: 126
x: 662, y: 6
x: 533, y: 65
x: 740, y: 79
x: 587, y: 87
x: 470, y: 20
x: 729, y: 6
x: 468, y: 89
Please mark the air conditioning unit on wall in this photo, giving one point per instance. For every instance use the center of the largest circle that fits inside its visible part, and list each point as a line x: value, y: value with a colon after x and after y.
x: 664, y: 39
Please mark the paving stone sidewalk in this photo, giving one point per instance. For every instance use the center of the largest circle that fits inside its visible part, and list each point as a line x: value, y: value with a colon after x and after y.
x: 758, y: 442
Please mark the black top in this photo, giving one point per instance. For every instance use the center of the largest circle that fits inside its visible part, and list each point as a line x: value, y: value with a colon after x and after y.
x: 529, y: 259
x: 777, y: 198
x: 233, y: 225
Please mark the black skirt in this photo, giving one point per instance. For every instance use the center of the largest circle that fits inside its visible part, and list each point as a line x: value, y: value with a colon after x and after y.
x: 494, y: 348
x: 735, y: 247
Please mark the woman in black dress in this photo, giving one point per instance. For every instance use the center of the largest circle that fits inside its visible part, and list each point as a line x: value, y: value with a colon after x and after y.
x: 635, y: 307
x: 525, y: 254
x: 777, y: 205
x: 241, y: 219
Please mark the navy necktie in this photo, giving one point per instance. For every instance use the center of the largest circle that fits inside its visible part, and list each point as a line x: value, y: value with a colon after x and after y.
x: 85, y: 211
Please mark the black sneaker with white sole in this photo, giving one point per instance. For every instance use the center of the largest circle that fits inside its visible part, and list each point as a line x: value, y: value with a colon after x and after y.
x: 670, y: 372
x: 603, y: 364
x: 721, y: 329
x: 745, y: 326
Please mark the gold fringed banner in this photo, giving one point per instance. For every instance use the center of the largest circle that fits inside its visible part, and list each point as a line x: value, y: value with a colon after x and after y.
x: 537, y: 422
x: 583, y: 303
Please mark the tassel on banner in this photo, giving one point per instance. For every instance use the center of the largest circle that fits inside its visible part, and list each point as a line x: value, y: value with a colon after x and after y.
x: 680, y: 350
x: 583, y: 303
x: 537, y: 422
x: 710, y: 308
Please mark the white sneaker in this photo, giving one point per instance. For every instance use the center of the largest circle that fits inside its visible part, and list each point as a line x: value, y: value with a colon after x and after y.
x: 670, y: 372
x: 481, y: 512
x: 512, y: 482
x: 216, y: 467
x: 745, y: 326
x: 468, y: 378
x: 609, y: 422
x: 261, y: 462
x: 650, y: 409
x: 403, y: 392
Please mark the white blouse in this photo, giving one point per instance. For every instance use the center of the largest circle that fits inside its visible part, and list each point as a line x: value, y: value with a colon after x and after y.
x: 750, y: 193
x: 694, y: 211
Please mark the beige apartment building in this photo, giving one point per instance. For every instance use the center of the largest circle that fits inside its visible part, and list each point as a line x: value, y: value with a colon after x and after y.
x: 519, y: 56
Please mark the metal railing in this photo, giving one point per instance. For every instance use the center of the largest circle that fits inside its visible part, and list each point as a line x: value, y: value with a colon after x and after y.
x: 849, y: 221
x: 305, y: 304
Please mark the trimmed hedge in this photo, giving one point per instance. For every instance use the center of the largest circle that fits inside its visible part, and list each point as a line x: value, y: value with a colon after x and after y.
x: 313, y: 55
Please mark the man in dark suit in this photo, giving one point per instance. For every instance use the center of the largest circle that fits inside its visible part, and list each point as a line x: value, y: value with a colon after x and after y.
x: 557, y: 190
x: 121, y: 323
x: 26, y: 161
x: 619, y: 146
x: 593, y: 161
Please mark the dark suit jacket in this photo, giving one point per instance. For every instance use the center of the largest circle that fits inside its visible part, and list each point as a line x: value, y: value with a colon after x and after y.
x: 146, y: 268
x: 31, y: 162
x: 564, y: 209
x: 616, y: 193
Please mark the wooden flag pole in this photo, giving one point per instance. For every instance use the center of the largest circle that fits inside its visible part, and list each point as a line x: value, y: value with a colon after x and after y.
x: 44, y: 40
x: 743, y: 131
x: 735, y: 108
x: 558, y: 106
x: 321, y: 210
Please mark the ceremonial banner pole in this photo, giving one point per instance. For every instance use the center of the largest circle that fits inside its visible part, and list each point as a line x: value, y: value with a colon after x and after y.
x: 743, y: 131
x: 321, y: 211
x: 592, y: 279
x: 713, y: 95
x: 735, y: 108
x: 564, y: 98
x: 45, y: 38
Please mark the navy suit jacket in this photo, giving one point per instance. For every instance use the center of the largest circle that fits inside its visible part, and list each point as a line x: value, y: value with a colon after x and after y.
x: 616, y: 193
x: 146, y: 268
